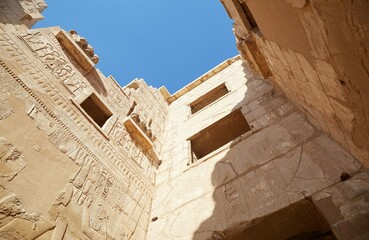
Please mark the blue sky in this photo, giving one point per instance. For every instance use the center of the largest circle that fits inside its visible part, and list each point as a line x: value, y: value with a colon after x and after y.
x: 166, y: 42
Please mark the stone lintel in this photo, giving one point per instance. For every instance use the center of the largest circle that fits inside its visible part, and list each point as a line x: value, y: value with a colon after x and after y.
x: 164, y: 92
x: 202, y: 79
x: 135, y: 131
x: 72, y: 47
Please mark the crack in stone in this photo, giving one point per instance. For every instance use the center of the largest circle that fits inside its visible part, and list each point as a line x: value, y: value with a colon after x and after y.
x: 296, y: 170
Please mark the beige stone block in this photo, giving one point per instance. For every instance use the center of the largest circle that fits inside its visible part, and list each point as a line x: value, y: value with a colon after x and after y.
x: 321, y: 167
x: 345, y: 206
x: 186, y: 220
x: 264, y: 189
x: 269, y: 143
x: 330, y: 80
x: 130, y: 206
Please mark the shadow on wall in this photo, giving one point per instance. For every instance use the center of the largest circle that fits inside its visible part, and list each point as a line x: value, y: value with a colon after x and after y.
x: 264, y: 183
x: 93, y: 76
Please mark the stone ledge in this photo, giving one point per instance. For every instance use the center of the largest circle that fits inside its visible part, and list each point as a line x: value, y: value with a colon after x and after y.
x: 72, y: 47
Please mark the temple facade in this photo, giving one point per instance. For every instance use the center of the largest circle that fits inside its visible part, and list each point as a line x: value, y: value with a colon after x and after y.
x: 270, y: 144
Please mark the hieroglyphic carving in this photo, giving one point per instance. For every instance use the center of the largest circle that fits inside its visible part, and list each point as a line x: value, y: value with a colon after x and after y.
x: 81, y: 123
x: 230, y: 192
x: 95, y: 223
x: 29, y: 7
x: 6, y: 109
x: 123, y: 139
x: 75, y: 84
x: 49, y: 56
x: 56, y: 212
x: 11, y: 160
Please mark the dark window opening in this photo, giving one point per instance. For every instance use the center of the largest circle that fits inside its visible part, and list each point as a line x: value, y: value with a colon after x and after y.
x: 218, y: 134
x: 299, y: 221
x: 96, y: 109
x: 208, y: 98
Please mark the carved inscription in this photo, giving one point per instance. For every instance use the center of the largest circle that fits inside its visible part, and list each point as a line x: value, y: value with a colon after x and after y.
x: 5, y: 108
x: 230, y: 192
x: 124, y: 141
x: 49, y: 56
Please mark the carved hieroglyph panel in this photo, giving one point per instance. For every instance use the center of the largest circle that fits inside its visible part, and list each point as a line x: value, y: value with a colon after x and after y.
x: 5, y: 108
x: 49, y: 55
x: 47, y: 86
x: 123, y: 140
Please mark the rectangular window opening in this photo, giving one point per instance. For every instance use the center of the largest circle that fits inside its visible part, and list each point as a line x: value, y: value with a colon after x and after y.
x: 208, y: 98
x: 96, y: 109
x: 218, y: 134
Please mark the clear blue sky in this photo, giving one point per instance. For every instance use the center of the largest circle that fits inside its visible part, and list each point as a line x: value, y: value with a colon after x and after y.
x: 166, y: 42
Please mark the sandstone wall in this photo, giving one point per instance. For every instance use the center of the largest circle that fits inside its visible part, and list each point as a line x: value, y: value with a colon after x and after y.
x: 281, y: 161
x: 316, y: 52
x: 64, y: 174
x: 20, y: 15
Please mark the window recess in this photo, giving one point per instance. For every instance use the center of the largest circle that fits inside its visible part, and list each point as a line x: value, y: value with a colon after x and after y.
x: 218, y: 134
x: 208, y: 98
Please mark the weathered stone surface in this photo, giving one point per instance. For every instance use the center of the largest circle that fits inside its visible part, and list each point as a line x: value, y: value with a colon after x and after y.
x: 83, y: 158
x: 314, y: 55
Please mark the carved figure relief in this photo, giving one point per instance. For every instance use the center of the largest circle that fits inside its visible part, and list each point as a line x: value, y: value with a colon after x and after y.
x: 97, y: 224
x: 16, y: 222
x: 11, y: 160
x: 56, y: 212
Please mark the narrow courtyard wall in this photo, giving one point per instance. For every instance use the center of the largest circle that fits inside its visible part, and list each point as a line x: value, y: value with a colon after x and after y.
x: 315, y: 52
x: 78, y: 152
x: 278, y: 164
x: 226, y: 157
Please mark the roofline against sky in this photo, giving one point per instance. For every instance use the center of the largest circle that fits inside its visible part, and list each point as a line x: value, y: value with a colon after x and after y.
x: 170, y: 98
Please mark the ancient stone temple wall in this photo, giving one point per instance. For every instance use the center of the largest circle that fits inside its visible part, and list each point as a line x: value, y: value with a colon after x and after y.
x: 316, y: 52
x: 272, y: 166
x: 20, y: 15
x: 226, y: 157
x: 79, y: 154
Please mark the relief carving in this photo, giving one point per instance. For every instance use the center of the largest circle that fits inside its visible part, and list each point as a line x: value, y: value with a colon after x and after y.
x: 49, y: 56
x: 56, y: 212
x: 11, y: 160
x: 6, y: 109
x: 16, y: 222
x: 96, y: 223
x: 74, y: 84
x: 230, y: 192
x: 29, y: 7
x: 59, y: 137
